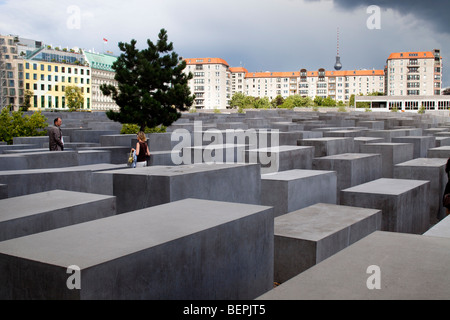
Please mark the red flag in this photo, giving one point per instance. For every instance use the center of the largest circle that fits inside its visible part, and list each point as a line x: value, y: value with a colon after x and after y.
x: 105, y: 40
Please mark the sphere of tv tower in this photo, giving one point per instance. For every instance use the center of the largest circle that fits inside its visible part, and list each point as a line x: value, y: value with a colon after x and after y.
x: 338, y: 65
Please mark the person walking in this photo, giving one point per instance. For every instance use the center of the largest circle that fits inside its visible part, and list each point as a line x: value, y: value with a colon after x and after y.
x: 56, y: 141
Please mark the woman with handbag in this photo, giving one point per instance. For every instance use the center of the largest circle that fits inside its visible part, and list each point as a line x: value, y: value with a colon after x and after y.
x: 142, y: 150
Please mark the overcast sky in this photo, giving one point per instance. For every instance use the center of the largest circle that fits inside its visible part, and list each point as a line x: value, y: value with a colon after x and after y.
x: 260, y: 35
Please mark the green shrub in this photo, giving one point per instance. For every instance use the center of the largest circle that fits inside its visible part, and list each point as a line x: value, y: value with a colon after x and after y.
x: 134, y: 129
x: 15, y: 124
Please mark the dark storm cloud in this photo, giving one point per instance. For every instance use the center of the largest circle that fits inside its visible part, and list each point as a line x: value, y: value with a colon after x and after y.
x: 435, y: 12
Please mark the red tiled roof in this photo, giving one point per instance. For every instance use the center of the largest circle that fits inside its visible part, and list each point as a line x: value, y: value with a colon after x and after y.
x: 206, y: 61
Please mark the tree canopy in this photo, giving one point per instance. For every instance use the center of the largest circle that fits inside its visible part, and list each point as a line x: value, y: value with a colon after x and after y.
x: 152, y: 86
x: 74, y: 97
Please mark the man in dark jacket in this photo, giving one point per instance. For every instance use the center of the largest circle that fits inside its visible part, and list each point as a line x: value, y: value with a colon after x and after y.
x: 55, y: 136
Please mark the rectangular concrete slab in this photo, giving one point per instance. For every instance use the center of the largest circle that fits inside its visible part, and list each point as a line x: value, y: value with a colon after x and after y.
x: 421, y: 144
x: 352, y: 168
x: 292, y: 190
x: 329, y: 146
x: 405, y: 203
x: 432, y: 169
x: 191, y: 249
x: 3, y: 191
x: 405, y: 266
x: 39, y: 212
x: 145, y: 187
x: 78, y: 178
x: 391, y: 154
x: 441, y: 229
x: 308, y: 236
x: 282, y: 158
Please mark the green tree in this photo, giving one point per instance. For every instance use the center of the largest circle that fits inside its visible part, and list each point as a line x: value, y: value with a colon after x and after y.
x: 262, y: 103
x: 238, y: 100
x: 74, y: 98
x: 15, y: 124
x: 27, y: 100
x: 329, y: 102
x: 152, y: 87
x: 296, y: 101
x: 351, y: 102
x: 278, y: 101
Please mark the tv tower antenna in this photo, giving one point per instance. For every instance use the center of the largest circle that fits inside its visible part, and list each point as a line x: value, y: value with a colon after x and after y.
x: 338, y: 65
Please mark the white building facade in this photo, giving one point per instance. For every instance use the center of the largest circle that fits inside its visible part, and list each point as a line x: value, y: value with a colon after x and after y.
x: 414, y: 74
x: 211, y: 84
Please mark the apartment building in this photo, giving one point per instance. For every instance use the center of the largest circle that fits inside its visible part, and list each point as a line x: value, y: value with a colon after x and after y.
x: 414, y: 73
x: 11, y: 73
x: 238, y: 75
x: 339, y: 85
x: 101, y: 73
x: 211, y: 84
x: 214, y: 83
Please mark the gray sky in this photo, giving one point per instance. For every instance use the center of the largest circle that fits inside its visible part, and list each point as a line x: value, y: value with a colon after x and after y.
x: 261, y: 35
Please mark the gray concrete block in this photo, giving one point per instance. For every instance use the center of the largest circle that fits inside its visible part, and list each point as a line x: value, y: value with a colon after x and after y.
x: 192, y: 249
x: 440, y: 229
x: 39, y: 212
x: 214, y: 153
x: 281, y: 158
x: 406, y: 267
x: 118, y: 154
x: 352, y: 168
x: 77, y: 178
x: 232, y: 125
x: 150, y: 186
x: 442, y: 141
x: 37, y: 160
x: 329, y: 146
x: 92, y: 136
x: 287, y: 126
x: 88, y: 157
x: 433, y: 131
x: 371, y: 124
x: 291, y: 138
x: 288, y: 191
x: 344, y: 133
x: 405, y: 203
x: 421, y: 144
x: 38, y: 141
x: 308, y: 236
x: 6, y: 147
x: 3, y: 191
x: 359, y: 141
x: 387, y: 135
x: 440, y: 152
x: 116, y: 140
x: 432, y: 169
x: 391, y: 154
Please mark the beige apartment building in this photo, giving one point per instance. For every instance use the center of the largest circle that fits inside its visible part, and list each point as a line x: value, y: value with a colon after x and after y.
x: 414, y: 73
x: 339, y: 85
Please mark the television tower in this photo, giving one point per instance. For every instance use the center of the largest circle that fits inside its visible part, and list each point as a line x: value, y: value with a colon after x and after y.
x: 338, y: 65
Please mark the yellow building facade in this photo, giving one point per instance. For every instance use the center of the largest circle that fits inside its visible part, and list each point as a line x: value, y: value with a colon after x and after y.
x: 47, y: 82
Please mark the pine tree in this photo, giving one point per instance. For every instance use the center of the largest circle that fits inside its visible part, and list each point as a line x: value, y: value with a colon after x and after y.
x: 152, y: 87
